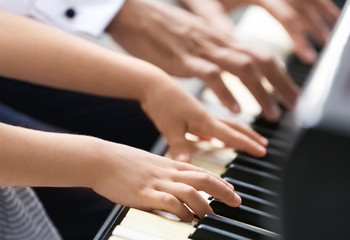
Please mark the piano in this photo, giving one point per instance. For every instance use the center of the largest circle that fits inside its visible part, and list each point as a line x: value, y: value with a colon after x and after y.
x: 299, y: 190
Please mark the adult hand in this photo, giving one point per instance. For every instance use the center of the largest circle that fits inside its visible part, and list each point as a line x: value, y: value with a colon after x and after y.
x: 185, y: 45
x: 145, y: 181
x: 300, y: 18
x: 174, y: 112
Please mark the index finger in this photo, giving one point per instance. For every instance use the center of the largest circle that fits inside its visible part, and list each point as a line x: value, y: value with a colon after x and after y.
x: 232, y: 138
x: 275, y: 74
x: 328, y: 10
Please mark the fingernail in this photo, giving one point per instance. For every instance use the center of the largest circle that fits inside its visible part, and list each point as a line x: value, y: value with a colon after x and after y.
x: 183, y: 157
x: 310, y: 56
x: 274, y: 112
x: 231, y: 186
x: 188, y: 218
x: 262, y: 150
x: 264, y: 141
x: 238, y: 199
x: 235, y: 108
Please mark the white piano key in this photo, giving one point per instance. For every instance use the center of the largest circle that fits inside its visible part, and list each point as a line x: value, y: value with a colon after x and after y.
x: 157, y: 226
x: 122, y: 232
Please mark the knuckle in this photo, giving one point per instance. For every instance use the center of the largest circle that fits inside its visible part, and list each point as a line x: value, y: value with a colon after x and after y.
x: 246, y: 64
x: 189, y: 191
x: 267, y: 59
x: 206, y: 122
x: 212, y: 73
x: 169, y: 200
x: 206, y: 178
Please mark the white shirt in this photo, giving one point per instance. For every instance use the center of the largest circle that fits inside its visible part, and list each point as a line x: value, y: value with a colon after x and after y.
x: 82, y: 16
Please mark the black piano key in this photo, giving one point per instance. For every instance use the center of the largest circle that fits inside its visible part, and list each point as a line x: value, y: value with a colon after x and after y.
x: 273, y: 156
x: 254, y: 202
x: 259, y: 204
x: 253, y: 176
x: 282, y: 135
x: 257, y: 164
x: 297, y: 69
x: 239, y: 228
x: 282, y: 123
x: 277, y: 144
x: 247, y: 215
x: 263, y: 123
x: 253, y: 190
x: 206, y: 232
x: 339, y: 3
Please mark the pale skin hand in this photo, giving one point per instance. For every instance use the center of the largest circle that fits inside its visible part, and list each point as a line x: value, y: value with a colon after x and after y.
x: 299, y: 17
x: 122, y: 174
x: 156, y: 182
x: 185, y: 45
x: 170, y: 106
x: 173, y: 111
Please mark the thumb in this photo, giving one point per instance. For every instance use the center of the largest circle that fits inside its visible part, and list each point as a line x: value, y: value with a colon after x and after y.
x: 181, y: 151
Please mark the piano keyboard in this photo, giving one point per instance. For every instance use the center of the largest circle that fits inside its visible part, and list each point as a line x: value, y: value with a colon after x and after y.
x: 256, y: 180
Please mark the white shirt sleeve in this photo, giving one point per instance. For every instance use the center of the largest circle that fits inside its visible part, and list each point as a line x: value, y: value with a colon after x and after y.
x: 81, y: 16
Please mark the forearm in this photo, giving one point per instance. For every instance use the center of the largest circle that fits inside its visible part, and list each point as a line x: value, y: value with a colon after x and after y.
x: 35, y: 158
x: 40, y: 54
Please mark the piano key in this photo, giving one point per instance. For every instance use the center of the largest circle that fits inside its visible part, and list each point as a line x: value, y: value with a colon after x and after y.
x: 155, y: 225
x: 246, y: 215
x: 117, y: 238
x: 277, y: 144
x: 253, y: 202
x: 236, y: 227
x: 254, y: 190
x: 273, y: 156
x: 261, y: 122
x: 206, y: 232
x: 253, y: 176
x: 257, y: 164
x: 297, y: 69
x: 258, y: 203
x: 282, y: 135
x: 122, y: 232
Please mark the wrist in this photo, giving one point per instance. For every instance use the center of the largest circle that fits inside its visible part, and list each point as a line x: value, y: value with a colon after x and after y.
x: 96, y: 162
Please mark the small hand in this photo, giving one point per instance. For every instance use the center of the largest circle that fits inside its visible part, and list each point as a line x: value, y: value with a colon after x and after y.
x: 176, y: 113
x: 138, y: 179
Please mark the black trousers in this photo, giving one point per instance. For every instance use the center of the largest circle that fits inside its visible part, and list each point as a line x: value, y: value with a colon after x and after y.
x: 78, y: 213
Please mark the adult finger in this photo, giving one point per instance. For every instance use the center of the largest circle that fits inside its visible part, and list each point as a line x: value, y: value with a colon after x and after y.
x: 317, y: 26
x: 210, y: 73
x: 276, y: 75
x: 245, y: 67
x: 328, y: 10
x: 289, y: 18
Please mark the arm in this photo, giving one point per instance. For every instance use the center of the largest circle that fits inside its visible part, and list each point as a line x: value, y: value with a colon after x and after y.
x: 35, y: 158
x: 44, y: 55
